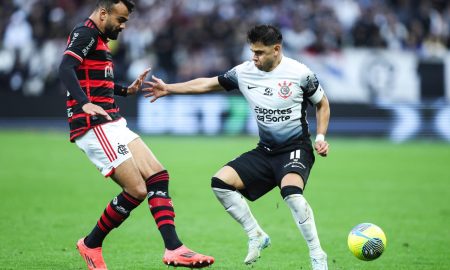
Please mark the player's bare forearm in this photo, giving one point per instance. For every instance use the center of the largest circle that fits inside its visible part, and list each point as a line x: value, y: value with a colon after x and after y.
x: 323, y: 115
x: 195, y: 86
x: 323, y: 118
x: 158, y: 88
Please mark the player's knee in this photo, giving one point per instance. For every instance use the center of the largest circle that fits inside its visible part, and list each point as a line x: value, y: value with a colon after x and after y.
x: 138, y: 191
x: 290, y: 190
x: 218, y: 183
x: 293, y: 197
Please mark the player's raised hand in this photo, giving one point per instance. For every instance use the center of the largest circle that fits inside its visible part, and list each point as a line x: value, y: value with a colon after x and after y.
x: 93, y: 109
x: 156, y: 88
x: 136, y: 85
x: 321, y: 148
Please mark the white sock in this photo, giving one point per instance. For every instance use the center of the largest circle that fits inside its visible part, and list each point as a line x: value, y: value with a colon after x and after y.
x: 237, y: 207
x: 304, y: 218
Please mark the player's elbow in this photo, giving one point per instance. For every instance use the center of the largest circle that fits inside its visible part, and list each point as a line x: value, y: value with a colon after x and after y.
x: 67, y: 67
x: 324, y: 105
x: 323, y: 108
x: 209, y: 84
x: 62, y: 69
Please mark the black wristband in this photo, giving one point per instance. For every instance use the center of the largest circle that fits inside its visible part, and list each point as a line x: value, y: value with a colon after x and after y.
x: 120, y: 90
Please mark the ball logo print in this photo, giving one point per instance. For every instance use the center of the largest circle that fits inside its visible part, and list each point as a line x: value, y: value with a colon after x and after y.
x: 367, y: 241
x: 268, y: 92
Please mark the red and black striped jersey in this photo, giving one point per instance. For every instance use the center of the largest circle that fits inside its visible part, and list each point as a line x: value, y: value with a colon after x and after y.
x: 95, y: 75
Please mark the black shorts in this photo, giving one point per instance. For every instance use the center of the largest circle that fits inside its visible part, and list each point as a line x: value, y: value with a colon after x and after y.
x: 261, y: 171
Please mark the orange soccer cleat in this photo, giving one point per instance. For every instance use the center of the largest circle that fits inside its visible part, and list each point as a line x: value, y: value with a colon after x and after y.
x: 184, y: 257
x: 92, y: 256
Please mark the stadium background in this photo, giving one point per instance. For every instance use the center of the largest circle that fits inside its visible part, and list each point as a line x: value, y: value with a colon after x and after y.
x: 384, y: 64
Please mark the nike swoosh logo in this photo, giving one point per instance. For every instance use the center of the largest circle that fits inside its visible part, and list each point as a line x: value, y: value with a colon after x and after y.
x: 251, y: 87
x: 301, y: 222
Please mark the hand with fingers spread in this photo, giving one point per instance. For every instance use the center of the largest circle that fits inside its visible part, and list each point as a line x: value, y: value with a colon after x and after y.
x: 93, y: 109
x: 136, y: 85
x: 156, y: 88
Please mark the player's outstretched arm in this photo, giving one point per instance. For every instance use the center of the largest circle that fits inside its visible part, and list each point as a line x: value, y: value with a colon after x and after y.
x: 323, y: 117
x: 136, y: 85
x: 158, y: 88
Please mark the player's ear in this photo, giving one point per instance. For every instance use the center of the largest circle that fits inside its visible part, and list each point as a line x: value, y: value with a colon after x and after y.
x: 277, y: 48
x: 103, y: 14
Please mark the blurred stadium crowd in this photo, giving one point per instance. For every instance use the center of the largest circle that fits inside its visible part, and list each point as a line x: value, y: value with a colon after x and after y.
x: 183, y: 39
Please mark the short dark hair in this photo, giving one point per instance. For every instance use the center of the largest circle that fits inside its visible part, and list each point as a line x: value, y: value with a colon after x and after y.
x: 108, y: 4
x: 266, y: 34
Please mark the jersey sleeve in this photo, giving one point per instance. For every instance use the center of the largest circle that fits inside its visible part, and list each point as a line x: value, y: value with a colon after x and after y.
x: 69, y: 79
x: 229, y: 80
x: 81, y: 41
x: 311, y: 87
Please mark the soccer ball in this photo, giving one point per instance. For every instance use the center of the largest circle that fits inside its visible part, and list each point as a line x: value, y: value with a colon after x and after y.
x: 366, y: 241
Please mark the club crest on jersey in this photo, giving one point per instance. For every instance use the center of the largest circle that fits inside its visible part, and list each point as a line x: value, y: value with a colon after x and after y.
x: 122, y: 149
x: 109, y: 72
x: 284, y: 91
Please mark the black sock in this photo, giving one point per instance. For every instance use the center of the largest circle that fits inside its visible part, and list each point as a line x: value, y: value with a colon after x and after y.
x: 115, y: 214
x: 161, y: 208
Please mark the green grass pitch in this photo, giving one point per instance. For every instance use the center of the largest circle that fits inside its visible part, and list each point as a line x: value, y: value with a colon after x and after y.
x: 51, y: 195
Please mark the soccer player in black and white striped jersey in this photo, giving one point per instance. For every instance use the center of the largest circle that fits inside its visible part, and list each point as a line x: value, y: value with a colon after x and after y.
x: 278, y: 90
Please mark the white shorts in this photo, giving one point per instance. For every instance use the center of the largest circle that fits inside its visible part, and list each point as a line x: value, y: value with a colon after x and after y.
x: 107, y: 145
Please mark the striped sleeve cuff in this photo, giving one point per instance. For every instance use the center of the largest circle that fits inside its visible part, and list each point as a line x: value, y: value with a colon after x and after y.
x: 76, y: 56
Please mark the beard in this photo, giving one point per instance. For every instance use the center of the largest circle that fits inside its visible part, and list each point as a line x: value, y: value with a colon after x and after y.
x: 265, y: 66
x: 112, y: 33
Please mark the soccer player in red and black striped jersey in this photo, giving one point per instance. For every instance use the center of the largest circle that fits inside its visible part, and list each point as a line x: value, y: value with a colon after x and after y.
x: 99, y: 130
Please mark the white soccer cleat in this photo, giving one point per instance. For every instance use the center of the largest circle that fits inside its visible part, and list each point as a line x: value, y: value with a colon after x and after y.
x: 255, y: 245
x: 319, y: 262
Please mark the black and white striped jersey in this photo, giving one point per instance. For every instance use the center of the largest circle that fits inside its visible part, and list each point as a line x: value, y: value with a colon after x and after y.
x: 277, y: 98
